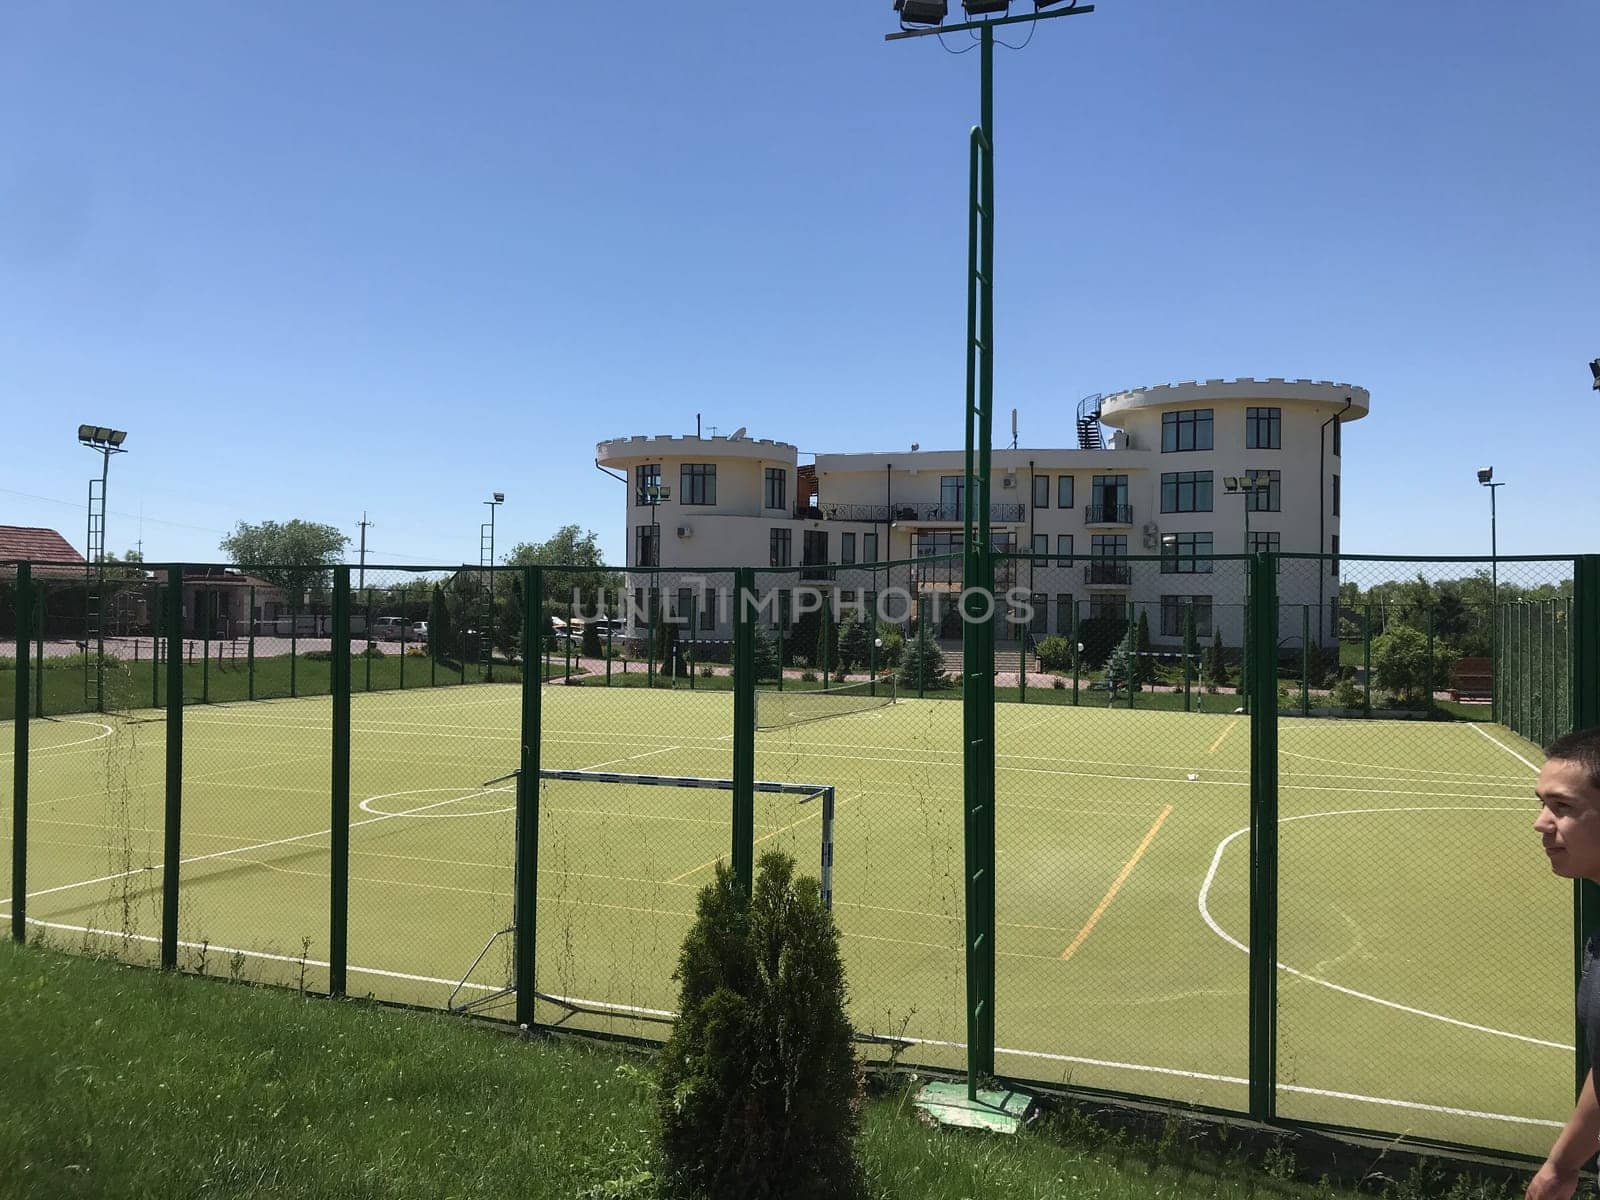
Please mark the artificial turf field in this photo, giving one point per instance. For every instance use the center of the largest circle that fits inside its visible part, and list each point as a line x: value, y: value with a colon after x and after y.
x: 1425, y: 977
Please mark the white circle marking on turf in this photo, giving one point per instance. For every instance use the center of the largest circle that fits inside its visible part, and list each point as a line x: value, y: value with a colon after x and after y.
x: 105, y: 732
x: 1211, y: 874
x: 366, y: 805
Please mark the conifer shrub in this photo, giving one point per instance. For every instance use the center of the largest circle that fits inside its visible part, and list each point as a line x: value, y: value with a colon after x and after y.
x: 760, y: 1089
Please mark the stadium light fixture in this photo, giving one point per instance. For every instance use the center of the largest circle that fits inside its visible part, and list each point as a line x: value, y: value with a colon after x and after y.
x: 1594, y: 369
x: 499, y: 497
x: 101, y: 436
x: 1485, y: 474
x: 978, y: 8
x: 1486, y: 479
x: 921, y: 12
x: 1040, y: 5
x: 1230, y: 483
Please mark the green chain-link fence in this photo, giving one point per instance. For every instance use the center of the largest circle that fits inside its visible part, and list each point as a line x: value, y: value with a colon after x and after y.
x: 1261, y: 825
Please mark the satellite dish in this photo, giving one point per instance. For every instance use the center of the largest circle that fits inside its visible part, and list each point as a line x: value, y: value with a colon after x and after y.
x: 736, y: 434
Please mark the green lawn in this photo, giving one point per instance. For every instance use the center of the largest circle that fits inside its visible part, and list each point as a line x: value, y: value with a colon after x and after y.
x: 1425, y: 980
x: 124, y: 1083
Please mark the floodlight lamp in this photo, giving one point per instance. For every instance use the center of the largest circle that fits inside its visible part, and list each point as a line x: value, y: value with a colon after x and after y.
x: 1230, y: 483
x: 1040, y: 4
x: 921, y: 12
x: 86, y: 433
x: 977, y: 8
x: 1594, y: 369
x: 117, y: 436
x: 499, y: 497
x: 1485, y: 474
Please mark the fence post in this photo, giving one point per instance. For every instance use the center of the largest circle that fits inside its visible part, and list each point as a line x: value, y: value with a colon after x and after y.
x: 526, y: 874
x: 1366, y: 651
x: 922, y: 649
x: 1584, y: 635
x: 405, y: 623
x: 19, y: 760
x: 339, y: 818
x: 155, y: 645
x: 1305, y: 660
x: 608, y: 649
x: 1263, y: 837
x: 294, y: 645
x: 744, y: 729
x: 1428, y: 682
x: 202, y: 604
x: 250, y: 649
x: 1075, y: 651
x: 1022, y: 666
x: 783, y: 619
x: 38, y: 666
x: 694, y: 636
x: 173, y: 820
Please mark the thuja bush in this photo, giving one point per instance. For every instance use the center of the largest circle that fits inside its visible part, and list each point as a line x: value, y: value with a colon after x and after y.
x: 760, y: 1092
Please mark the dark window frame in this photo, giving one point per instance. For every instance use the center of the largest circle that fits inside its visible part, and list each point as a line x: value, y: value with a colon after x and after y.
x: 1187, y: 484
x: 775, y: 488
x: 1188, y: 429
x: 1263, y: 421
x: 697, y: 484
x: 780, y: 540
x: 1182, y: 553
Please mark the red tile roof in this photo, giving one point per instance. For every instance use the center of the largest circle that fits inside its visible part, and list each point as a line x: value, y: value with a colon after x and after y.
x: 33, y: 544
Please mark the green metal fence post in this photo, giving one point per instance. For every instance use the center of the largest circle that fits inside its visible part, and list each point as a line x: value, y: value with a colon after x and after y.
x: 651, y: 601
x: 872, y: 653
x: 566, y: 650
x: 827, y: 639
x: 526, y: 873
x: 1191, y: 643
x: 1366, y: 651
x: 783, y: 620
x: 250, y: 649
x: 1076, y: 649
x: 1305, y: 658
x: 694, y: 636
x: 366, y: 636
x: 155, y: 646
x: 38, y: 667
x: 1263, y: 838
x: 1022, y: 667
x: 608, y: 649
x: 1427, y: 683
x: 339, y: 817
x: 202, y: 612
x: 19, y: 758
x: 922, y: 648
x: 173, y: 818
x: 294, y: 647
x: 744, y: 728
x: 1135, y: 669
x: 405, y: 623
x: 1584, y: 651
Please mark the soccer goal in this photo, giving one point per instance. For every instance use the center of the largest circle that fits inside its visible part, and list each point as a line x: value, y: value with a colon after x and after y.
x: 775, y: 709
x: 470, y: 994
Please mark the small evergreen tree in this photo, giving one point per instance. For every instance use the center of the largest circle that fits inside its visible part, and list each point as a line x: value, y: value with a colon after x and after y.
x: 766, y: 653
x: 1144, y: 663
x: 760, y: 1089
x: 1217, y: 664
x: 591, y: 645
x: 893, y: 648
x: 855, y: 642
x: 922, y: 664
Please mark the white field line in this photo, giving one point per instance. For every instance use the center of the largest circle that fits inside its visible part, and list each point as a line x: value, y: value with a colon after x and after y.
x: 36, y: 751
x: 300, y: 837
x: 1503, y: 746
x: 1441, y: 775
x: 636, y: 1010
x: 1211, y: 874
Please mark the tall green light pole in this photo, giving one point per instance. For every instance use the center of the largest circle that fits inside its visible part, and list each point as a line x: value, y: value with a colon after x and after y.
x: 920, y: 18
x: 1247, y: 485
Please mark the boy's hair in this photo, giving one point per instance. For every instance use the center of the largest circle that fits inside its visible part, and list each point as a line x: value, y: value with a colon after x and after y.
x: 1582, y: 747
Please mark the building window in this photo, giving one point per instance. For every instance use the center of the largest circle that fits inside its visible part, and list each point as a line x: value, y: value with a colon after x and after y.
x: 814, y: 552
x: 1336, y: 495
x: 1269, y: 498
x: 779, y: 547
x: 1064, y: 621
x: 1108, y: 545
x: 869, y: 547
x: 1333, y: 561
x: 1173, y: 609
x: 1064, y: 492
x: 847, y: 547
x: 1189, y: 430
x: 1108, y: 498
x: 1063, y: 549
x: 777, y: 489
x: 1337, y: 427
x: 951, y: 490
x: 697, y: 483
x: 683, y: 606
x: 1039, y: 620
x: 708, y: 610
x: 647, y: 546
x: 1185, y: 491
x: 646, y: 482
x: 1186, y: 554
x: 1264, y: 542
x: 1041, y: 549
x: 1041, y: 491
x: 1103, y: 605
x: 1263, y: 429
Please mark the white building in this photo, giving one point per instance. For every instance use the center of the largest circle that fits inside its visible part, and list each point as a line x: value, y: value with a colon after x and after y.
x: 1152, y: 493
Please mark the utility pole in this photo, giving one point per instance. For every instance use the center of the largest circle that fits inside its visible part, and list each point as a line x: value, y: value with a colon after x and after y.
x: 362, y: 579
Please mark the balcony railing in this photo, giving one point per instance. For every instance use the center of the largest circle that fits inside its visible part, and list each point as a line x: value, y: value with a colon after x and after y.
x: 1114, y: 574
x: 1108, y: 514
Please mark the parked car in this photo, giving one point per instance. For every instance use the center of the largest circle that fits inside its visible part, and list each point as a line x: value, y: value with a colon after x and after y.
x: 395, y: 629
x: 419, y: 631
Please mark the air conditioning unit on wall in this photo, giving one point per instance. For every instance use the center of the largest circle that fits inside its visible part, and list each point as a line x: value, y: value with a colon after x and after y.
x: 685, y: 531
x: 1010, y: 481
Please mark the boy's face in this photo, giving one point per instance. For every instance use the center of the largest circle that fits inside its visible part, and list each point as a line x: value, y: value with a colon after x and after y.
x: 1569, y: 819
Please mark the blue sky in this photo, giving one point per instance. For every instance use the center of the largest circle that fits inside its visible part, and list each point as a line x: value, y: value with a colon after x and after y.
x: 394, y: 256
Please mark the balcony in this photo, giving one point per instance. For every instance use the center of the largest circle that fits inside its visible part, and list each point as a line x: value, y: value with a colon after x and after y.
x: 857, y: 512
x: 1108, y: 574
x: 951, y: 514
x: 1108, y: 514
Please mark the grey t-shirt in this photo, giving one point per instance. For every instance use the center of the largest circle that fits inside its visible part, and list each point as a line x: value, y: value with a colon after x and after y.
x: 1589, y: 1000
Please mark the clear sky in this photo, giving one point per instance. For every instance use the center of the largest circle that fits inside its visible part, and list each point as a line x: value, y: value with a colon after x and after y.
x: 320, y: 259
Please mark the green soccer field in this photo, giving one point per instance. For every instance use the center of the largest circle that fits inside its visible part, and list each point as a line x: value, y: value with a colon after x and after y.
x: 1425, y: 953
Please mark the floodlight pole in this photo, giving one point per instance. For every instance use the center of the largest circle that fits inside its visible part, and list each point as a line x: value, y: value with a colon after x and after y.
x: 978, y: 559
x: 95, y: 567
x: 1494, y: 546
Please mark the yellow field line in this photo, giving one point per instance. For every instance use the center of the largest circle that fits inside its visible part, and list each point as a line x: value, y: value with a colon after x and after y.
x: 817, y: 812
x: 1221, y: 736
x: 1116, y: 886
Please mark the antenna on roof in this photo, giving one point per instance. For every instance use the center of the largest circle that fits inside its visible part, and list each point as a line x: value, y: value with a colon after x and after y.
x: 1013, y: 429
